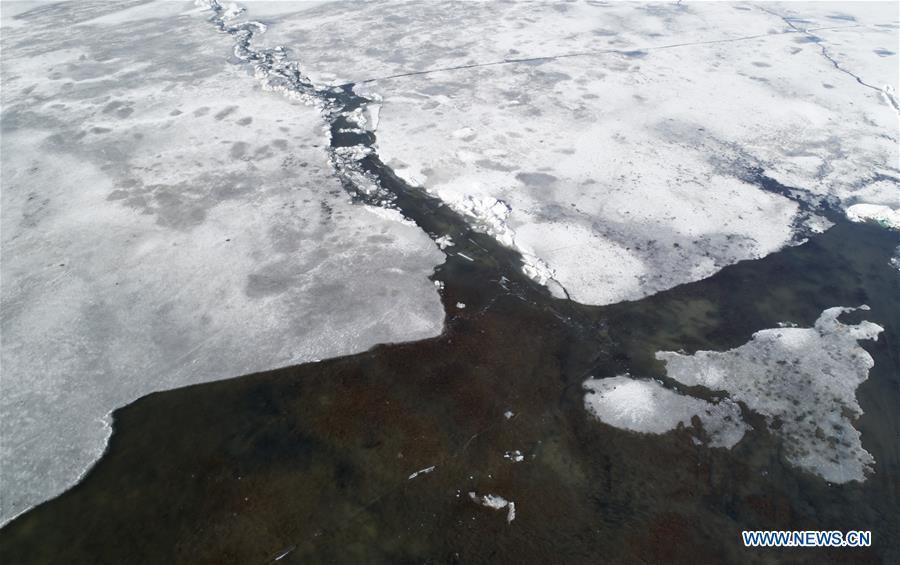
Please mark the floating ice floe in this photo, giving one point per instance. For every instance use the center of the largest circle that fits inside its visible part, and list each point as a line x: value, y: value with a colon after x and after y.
x: 424, y: 471
x: 496, y: 503
x: 882, y: 215
x: 646, y: 406
x: 803, y: 381
x: 515, y: 456
x: 444, y: 242
x: 353, y: 152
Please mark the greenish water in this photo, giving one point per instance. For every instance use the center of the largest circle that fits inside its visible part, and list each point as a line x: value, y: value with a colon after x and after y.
x: 314, y: 460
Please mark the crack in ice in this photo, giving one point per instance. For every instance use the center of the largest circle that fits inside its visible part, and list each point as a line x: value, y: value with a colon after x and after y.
x: 592, y: 53
x: 346, y: 113
x: 887, y: 92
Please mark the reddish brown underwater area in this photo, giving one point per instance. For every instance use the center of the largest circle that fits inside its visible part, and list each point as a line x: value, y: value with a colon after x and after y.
x: 311, y: 464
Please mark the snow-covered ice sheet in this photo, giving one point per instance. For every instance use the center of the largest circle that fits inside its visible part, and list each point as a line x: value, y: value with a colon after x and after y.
x: 803, y: 381
x: 166, y: 222
x: 621, y: 141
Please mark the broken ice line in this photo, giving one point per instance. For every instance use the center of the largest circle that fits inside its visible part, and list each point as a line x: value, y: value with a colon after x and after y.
x: 277, y: 74
x: 490, y: 215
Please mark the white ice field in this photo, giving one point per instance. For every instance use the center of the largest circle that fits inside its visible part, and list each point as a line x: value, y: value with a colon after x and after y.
x: 164, y: 223
x: 677, y: 103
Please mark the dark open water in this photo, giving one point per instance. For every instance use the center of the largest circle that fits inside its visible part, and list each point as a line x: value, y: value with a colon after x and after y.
x: 315, y: 458
x: 311, y: 463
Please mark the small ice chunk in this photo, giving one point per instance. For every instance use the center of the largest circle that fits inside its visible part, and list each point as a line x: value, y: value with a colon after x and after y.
x: 357, y: 116
x: 646, y: 406
x: 496, y: 503
x: 353, y: 153
x: 460, y: 305
x: 285, y: 553
x: 444, y: 242
x: 424, y: 471
x: 515, y: 456
x: 233, y: 11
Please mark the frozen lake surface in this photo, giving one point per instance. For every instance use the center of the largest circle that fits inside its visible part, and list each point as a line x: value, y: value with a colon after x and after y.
x: 640, y: 223
x: 165, y: 223
x: 507, y: 112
